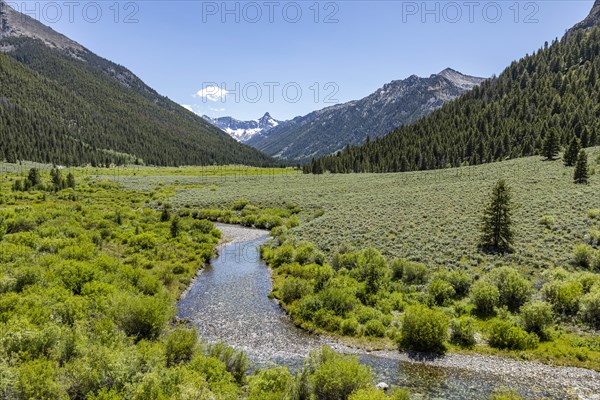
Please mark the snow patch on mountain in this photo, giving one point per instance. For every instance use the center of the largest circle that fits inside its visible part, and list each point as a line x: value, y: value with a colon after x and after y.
x: 243, y: 131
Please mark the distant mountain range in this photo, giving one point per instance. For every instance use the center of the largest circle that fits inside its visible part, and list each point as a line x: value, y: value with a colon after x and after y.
x: 328, y: 130
x: 243, y: 131
x: 60, y: 103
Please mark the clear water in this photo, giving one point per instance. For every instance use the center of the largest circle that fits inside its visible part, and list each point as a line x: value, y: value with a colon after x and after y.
x: 229, y: 302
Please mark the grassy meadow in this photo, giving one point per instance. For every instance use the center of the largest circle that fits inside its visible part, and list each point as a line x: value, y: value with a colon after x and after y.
x: 431, y: 216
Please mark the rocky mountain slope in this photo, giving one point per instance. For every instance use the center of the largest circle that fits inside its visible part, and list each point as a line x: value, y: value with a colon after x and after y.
x: 331, y: 129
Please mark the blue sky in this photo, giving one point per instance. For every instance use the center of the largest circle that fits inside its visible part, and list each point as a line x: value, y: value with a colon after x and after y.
x: 290, y: 58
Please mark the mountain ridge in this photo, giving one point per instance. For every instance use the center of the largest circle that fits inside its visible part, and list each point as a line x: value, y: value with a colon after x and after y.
x: 555, y: 89
x: 330, y: 129
x: 243, y: 131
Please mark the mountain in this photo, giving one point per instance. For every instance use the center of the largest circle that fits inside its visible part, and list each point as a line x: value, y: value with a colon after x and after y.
x: 590, y: 21
x: 328, y: 130
x: 243, y: 131
x: 556, y: 88
x: 61, y: 103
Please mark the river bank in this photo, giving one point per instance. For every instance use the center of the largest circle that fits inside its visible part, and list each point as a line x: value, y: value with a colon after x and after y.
x: 229, y: 302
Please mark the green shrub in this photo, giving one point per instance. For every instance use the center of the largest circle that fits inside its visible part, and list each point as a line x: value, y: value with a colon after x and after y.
x: 582, y: 255
x: 514, y: 288
x: 505, y: 394
x: 327, y: 320
x: 368, y: 394
x: 564, y: 296
x: 203, y: 226
x: 236, y: 362
x: 371, y: 269
x: 333, y: 376
x: 537, y: 316
x: 547, y: 220
x: 462, y: 332
x: 593, y: 213
x: 143, y: 241
x: 239, y: 205
x: 283, y: 254
x: 441, y: 292
x: 143, y: 317
x: 350, y: 327
x: 460, y: 281
x: 365, y: 314
x: 38, y: 379
x: 409, y: 272
x: 375, y: 328
x: 590, y: 308
x: 180, y: 345
x: 294, y: 289
x: 424, y: 329
x: 337, y: 300
x: 504, y: 335
x: 305, y: 253
x: 485, y: 296
x: 292, y: 222
x: 270, y: 384
x: 308, y: 306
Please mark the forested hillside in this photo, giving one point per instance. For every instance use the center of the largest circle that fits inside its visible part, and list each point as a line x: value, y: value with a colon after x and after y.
x: 66, y: 105
x: 556, y: 88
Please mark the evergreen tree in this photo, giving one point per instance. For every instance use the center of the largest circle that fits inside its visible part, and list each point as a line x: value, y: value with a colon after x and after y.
x: 550, y: 147
x: 165, y: 215
x: 175, y: 227
x: 570, y: 157
x: 497, y: 222
x: 70, y: 180
x: 33, y: 178
x: 581, y: 168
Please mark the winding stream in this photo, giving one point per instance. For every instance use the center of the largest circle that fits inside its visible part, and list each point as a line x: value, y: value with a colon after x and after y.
x: 229, y: 302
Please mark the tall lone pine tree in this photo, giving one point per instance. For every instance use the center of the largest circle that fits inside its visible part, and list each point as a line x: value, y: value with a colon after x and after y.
x: 581, y: 174
x: 496, y: 227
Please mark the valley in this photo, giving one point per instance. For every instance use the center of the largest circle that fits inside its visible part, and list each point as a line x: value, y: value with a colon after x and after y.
x: 436, y: 239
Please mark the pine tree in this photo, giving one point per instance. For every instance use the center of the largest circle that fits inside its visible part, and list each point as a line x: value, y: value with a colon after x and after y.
x: 34, y: 177
x: 550, y: 147
x: 570, y: 157
x: 175, y: 227
x: 581, y: 168
x: 71, y: 180
x: 497, y: 222
x: 165, y: 215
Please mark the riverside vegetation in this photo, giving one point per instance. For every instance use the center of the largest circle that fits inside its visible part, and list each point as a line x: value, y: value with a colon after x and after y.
x: 89, y: 276
x: 395, y: 267
x: 92, y: 266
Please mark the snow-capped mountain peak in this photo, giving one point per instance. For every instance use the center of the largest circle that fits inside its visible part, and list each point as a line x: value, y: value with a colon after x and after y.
x: 243, y: 131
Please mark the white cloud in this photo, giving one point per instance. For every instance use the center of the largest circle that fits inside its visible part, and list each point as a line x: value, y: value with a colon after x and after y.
x: 212, y: 93
x: 187, y: 107
x: 216, y: 109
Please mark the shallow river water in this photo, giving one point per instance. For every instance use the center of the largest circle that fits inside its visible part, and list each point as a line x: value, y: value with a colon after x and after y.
x: 229, y: 302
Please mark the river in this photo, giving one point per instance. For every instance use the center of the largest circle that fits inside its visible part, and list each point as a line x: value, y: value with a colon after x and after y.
x: 229, y: 302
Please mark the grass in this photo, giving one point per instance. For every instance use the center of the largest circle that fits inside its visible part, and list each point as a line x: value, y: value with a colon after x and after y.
x: 431, y: 216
